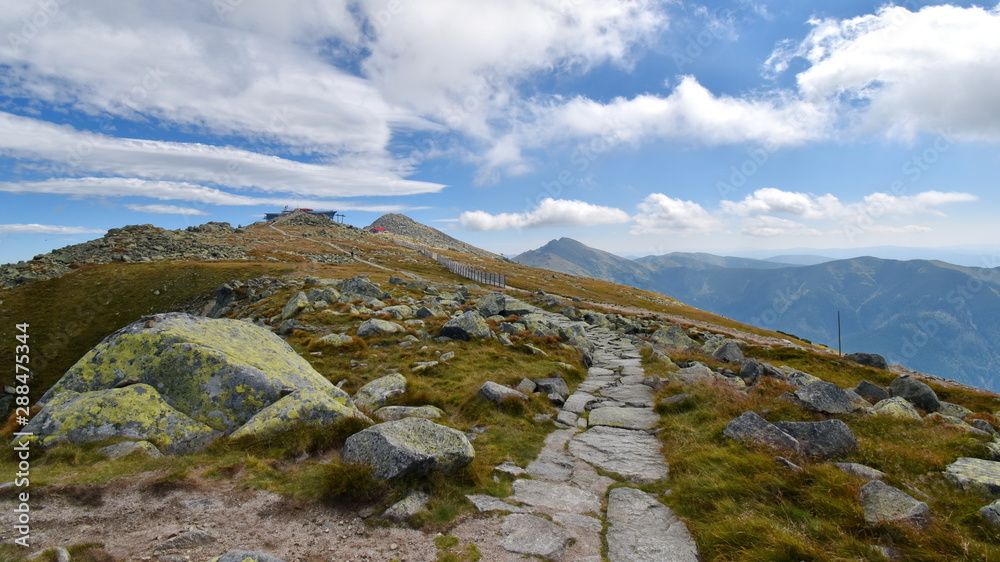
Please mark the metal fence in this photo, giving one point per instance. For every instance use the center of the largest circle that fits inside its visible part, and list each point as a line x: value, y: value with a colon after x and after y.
x: 467, y: 271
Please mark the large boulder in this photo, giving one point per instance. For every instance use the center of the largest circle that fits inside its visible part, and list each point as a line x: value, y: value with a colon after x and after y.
x: 469, y: 326
x: 360, y: 288
x: 916, y: 392
x: 895, y: 408
x: 294, y: 306
x: 751, y: 427
x: 304, y: 407
x: 751, y: 371
x: 871, y: 392
x: 975, y: 475
x: 411, y: 446
x: 869, y: 359
x: 375, y: 394
x: 827, y: 439
x: 497, y: 392
x: 377, y: 327
x: 136, y: 412
x: 492, y: 304
x: 729, y: 352
x: 673, y: 336
x: 883, y: 503
x: 824, y: 397
x: 218, y: 372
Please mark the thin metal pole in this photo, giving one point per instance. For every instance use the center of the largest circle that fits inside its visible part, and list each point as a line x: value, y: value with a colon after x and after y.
x: 840, y: 347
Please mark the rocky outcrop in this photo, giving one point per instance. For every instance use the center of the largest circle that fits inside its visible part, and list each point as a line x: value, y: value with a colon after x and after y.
x: 135, y: 243
x: 405, y: 226
x: 411, y: 446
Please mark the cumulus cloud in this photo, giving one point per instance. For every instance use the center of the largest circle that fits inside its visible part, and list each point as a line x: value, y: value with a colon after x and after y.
x: 926, y: 202
x: 906, y: 72
x: 47, y: 229
x: 166, y: 209
x: 770, y: 200
x: 660, y: 214
x: 550, y: 212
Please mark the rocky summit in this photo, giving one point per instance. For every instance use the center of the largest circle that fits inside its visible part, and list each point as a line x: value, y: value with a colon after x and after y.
x: 353, y: 399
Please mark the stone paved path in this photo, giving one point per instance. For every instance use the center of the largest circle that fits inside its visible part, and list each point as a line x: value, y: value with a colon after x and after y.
x: 567, y: 487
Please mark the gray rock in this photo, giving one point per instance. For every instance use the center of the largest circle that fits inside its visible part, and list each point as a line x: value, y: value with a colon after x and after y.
x: 566, y: 417
x: 336, y: 340
x: 509, y: 469
x: 554, y: 496
x: 869, y: 359
x: 883, y: 503
x: 641, y: 529
x: 895, y: 407
x: 429, y: 311
x: 916, y: 392
x: 360, y: 288
x: 552, y: 468
x: 991, y: 513
x: 673, y: 336
x: 377, y: 327
x: 414, y: 503
x: 526, y: 386
x: 750, y: 371
x: 783, y: 462
x: 246, y: 556
x: 492, y: 304
x: 469, y: 326
x: 577, y: 402
x: 751, y: 427
x: 825, y: 439
x: 552, y: 385
x: 398, y: 312
x: 954, y: 410
x: 374, y: 395
x: 730, y: 352
x: 975, y: 475
x: 515, y: 307
x: 871, y: 392
x: 635, y: 455
x: 409, y: 446
x: 391, y: 413
x: 497, y: 392
x: 635, y: 395
x: 485, y: 504
x: 534, y: 536
x: 800, y: 378
x: 824, y: 397
x: 187, y: 540
x: 627, y: 418
x: 294, y: 306
x: 983, y: 425
x: 125, y: 448
x: 860, y: 470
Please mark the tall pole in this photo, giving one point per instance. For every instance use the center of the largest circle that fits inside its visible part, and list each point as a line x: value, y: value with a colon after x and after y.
x: 840, y: 347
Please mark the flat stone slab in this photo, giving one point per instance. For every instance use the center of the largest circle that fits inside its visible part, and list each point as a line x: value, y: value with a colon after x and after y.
x: 641, y: 529
x: 635, y: 455
x: 577, y: 402
x: 553, y: 469
x: 486, y: 503
x: 974, y: 475
x: 600, y: 372
x: 535, y: 536
x: 628, y: 418
x: 636, y: 395
x: 555, y: 497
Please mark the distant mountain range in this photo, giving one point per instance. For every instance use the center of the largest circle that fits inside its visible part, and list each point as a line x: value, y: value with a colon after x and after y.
x: 932, y: 316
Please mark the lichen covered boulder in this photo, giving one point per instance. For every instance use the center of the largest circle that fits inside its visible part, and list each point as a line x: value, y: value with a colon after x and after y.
x: 407, y: 447
x: 135, y: 412
x: 376, y: 327
x: 218, y: 372
x: 375, y: 394
x: 895, y: 408
x: 975, y: 475
x: 469, y: 326
x: 304, y: 407
x: 884, y: 504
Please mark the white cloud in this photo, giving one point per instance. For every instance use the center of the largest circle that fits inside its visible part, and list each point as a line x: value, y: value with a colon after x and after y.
x: 73, y: 151
x: 765, y: 226
x: 660, y: 214
x: 166, y: 209
x: 770, y: 200
x: 907, y: 229
x: 906, y: 72
x: 175, y: 191
x: 47, y: 229
x: 550, y: 212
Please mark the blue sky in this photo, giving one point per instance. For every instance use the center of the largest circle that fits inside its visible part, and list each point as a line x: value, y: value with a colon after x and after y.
x: 636, y: 126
